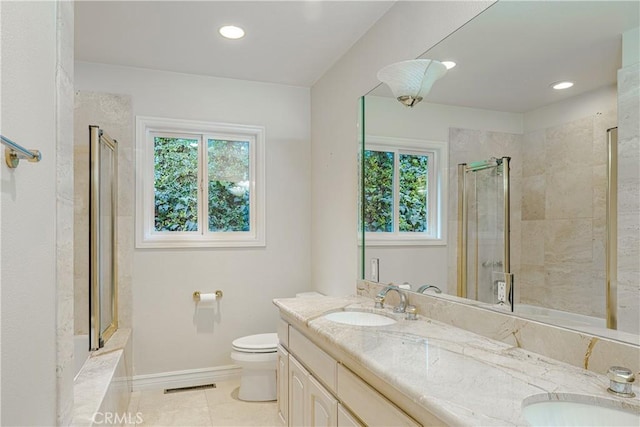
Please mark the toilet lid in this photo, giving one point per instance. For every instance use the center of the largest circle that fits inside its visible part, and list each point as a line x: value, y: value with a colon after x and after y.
x: 261, y: 343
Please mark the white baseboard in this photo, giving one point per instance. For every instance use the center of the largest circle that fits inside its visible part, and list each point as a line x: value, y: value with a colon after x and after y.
x: 188, y: 378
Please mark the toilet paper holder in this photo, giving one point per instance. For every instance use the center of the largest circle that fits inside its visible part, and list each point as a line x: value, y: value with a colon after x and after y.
x: 196, y: 295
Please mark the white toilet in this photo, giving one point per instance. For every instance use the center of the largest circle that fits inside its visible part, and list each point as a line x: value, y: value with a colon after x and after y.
x: 258, y: 357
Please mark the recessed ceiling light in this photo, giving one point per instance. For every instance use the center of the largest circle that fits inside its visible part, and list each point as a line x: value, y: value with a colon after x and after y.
x: 231, y: 32
x: 449, y: 64
x: 561, y: 85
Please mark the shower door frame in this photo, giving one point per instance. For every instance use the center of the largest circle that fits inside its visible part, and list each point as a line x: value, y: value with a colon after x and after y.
x: 463, y: 218
x: 98, y: 333
x: 611, y: 240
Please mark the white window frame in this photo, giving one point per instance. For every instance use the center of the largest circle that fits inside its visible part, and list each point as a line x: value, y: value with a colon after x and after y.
x: 146, y: 235
x: 437, y: 203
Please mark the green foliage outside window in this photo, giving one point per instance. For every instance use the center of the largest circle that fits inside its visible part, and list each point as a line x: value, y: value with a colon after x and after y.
x: 379, y: 167
x: 229, y: 205
x: 378, y: 191
x: 413, y: 193
x: 176, y: 184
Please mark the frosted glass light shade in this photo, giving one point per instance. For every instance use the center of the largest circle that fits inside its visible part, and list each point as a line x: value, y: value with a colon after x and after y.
x: 411, y: 80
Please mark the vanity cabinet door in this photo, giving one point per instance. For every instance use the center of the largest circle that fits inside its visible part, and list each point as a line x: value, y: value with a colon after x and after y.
x: 283, y: 384
x: 322, y: 407
x: 298, y: 384
x: 345, y: 419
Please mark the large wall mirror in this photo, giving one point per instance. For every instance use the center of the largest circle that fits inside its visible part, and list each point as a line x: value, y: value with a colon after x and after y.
x: 496, y: 178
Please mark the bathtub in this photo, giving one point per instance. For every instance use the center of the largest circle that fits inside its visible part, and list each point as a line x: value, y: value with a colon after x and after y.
x: 558, y: 317
x: 80, y: 352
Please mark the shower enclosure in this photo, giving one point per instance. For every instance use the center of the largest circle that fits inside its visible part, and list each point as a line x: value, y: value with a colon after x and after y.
x: 483, y: 232
x: 103, y: 295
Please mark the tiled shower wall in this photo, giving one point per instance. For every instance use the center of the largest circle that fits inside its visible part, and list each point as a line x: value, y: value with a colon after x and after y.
x: 564, y: 181
x: 113, y: 114
x: 558, y: 209
x: 629, y: 199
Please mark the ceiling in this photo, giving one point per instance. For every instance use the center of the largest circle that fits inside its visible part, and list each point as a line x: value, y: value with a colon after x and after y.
x: 286, y: 42
x: 510, y: 54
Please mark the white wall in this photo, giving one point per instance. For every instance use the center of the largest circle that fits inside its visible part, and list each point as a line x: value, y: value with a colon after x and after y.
x: 630, y: 47
x: 28, y: 222
x: 431, y: 122
x: 388, y: 117
x: 168, y: 334
x: 404, y: 32
x: 577, y: 107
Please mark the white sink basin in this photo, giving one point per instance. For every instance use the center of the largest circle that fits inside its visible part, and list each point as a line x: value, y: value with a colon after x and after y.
x: 600, y: 412
x: 359, y: 318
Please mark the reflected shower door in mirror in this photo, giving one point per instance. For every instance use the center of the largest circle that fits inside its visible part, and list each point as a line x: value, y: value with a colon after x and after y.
x: 103, y: 315
x: 483, y: 232
x: 498, y: 100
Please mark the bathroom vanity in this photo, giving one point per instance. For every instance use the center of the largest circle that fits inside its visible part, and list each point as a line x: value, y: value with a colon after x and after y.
x: 413, y: 372
x: 318, y: 384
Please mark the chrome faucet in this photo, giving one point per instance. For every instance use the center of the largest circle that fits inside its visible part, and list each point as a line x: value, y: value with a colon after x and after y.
x: 400, y: 308
x: 423, y: 288
x: 620, y: 381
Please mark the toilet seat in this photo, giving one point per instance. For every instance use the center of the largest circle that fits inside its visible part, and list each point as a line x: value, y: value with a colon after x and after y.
x: 260, y: 343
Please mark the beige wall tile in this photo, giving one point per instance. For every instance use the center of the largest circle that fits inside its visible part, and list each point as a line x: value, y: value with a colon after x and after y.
x: 533, y: 153
x: 533, y: 240
x: 568, y: 241
x: 569, y: 145
x: 569, y: 193
x: 531, y: 286
x: 533, y: 198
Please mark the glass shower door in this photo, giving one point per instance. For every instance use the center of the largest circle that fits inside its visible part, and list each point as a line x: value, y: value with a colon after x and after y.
x: 103, y: 195
x: 483, y: 260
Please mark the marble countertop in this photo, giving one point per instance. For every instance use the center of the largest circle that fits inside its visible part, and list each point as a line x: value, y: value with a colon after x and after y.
x: 460, y: 377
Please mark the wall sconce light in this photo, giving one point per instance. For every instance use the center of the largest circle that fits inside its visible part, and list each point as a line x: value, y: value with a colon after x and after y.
x: 411, y: 80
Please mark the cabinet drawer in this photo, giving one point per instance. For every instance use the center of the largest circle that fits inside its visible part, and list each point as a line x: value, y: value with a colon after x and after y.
x: 283, y: 333
x: 317, y: 361
x: 372, y: 408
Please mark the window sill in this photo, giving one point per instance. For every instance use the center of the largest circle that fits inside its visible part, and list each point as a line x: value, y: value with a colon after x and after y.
x: 173, y: 243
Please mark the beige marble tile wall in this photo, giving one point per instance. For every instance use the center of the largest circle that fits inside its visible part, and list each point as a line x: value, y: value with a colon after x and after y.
x: 465, y: 146
x: 629, y: 199
x: 564, y: 216
x: 114, y: 115
x: 64, y: 211
x: 579, y: 349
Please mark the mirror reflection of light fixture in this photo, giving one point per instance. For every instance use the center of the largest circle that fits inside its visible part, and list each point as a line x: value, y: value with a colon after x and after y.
x: 411, y: 80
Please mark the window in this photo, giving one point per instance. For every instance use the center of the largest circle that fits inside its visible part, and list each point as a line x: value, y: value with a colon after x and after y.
x: 199, y: 184
x: 404, y: 192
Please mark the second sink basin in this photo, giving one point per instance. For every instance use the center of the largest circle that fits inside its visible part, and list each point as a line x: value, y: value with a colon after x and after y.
x: 575, y: 413
x: 359, y: 318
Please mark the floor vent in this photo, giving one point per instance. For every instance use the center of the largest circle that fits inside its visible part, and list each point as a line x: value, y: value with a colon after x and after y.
x: 191, y: 388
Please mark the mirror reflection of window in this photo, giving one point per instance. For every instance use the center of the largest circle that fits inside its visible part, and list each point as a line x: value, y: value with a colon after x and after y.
x: 402, y: 188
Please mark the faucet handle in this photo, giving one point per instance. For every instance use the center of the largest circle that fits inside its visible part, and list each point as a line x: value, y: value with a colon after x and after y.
x: 411, y: 312
x: 379, y: 302
x: 620, y: 380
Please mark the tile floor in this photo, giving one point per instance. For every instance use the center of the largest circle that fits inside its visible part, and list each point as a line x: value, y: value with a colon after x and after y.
x: 218, y: 406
